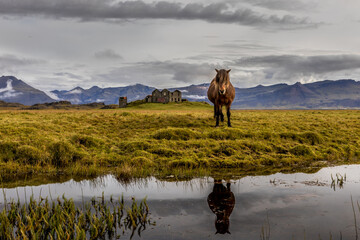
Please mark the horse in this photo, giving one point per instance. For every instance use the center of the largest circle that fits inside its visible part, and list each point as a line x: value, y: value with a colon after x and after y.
x: 221, y: 93
x: 221, y: 202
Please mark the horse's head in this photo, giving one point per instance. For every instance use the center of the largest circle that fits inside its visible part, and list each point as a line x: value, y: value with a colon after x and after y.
x: 222, y: 80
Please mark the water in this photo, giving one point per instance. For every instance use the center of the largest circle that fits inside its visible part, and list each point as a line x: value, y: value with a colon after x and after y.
x: 288, y: 206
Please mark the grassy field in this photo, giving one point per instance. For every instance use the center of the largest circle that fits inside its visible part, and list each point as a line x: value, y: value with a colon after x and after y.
x: 174, y: 139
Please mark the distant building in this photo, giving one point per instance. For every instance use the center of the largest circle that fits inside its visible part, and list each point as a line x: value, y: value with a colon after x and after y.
x: 148, y: 98
x: 122, y: 102
x: 176, y: 96
x: 164, y: 96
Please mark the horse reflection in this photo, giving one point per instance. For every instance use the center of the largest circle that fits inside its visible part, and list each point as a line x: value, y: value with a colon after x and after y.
x: 221, y: 202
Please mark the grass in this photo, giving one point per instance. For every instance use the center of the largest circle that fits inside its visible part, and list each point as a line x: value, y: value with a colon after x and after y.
x: 340, y: 180
x: 177, y: 139
x: 62, y: 219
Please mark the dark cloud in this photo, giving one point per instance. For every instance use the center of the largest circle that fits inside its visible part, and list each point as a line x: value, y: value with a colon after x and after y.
x: 289, y: 69
x: 10, y: 62
x: 68, y: 75
x: 293, y: 5
x: 247, y: 71
x: 108, y: 54
x: 113, y: 10
x: 304, y: 64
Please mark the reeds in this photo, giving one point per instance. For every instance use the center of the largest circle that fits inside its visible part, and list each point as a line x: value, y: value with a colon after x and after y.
x: 62, y: 219
x: 339, y: 181
x: 265, y: 229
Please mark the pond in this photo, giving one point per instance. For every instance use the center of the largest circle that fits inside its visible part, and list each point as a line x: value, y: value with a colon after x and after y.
x: 278, y: 206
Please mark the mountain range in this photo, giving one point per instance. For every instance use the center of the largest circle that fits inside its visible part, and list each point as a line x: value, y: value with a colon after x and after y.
x: 79, y: 95
x: 326, y: 94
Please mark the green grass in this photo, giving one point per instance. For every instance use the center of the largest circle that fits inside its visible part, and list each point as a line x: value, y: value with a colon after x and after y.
x: 62, y: 219
x: 169, y: 106
x: 180, y: 139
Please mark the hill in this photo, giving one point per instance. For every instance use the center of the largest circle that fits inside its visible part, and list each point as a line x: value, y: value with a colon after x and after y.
x: 10, y: 105
x: 172, y: 106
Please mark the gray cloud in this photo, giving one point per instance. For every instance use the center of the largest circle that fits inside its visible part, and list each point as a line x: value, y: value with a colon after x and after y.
x: 113, y: 10
x: 68, y: 75
x: 293, y: 5
x: 244, y: 46
x: 10, y: 62
x: 246, y: 72
x: 108, y: 54
x: 185, y: 72
x: 304, y: 64
x: 160, y: 74
x: 271, y: 69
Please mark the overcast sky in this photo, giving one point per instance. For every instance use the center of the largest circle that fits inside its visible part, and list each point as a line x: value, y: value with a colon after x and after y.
x: 61, y: 44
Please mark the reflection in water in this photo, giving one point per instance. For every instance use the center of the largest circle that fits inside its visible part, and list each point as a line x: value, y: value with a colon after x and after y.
x: 221, y: 202
x: 299, y: 206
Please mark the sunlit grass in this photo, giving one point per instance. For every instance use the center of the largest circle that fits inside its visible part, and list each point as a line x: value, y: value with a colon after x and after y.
x: 154, y: 139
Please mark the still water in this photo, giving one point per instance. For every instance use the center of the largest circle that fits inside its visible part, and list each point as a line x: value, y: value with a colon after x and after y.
x: 278, y: 206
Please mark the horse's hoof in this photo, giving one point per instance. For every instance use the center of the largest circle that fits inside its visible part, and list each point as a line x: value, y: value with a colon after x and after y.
x: 229, y: 125
x: 216, y: 126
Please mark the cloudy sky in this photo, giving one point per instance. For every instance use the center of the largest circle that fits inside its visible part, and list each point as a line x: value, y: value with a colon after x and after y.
x: 61, y: 44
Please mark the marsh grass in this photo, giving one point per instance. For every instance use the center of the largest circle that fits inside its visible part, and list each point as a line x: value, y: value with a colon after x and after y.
x: 161, y: 139
x: 339, y: 181
x: 265, y: 230
x: 62, y: 219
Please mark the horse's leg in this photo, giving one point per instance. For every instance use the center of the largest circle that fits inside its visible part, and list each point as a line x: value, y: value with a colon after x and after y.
x: 228, y: 115
x: 214, y: 110
x: 221, y: 114
x: 217, y: 113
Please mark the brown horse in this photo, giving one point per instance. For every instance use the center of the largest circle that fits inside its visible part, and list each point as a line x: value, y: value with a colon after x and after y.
x: 221, y: 93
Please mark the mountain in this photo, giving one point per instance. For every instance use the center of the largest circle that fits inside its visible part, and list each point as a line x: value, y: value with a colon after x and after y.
x: 343, y: 93
x: 17, y: 91
x: 79, y: 95
x: 326, y: 94
x: 318, y: 95
x: 194, y: 92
